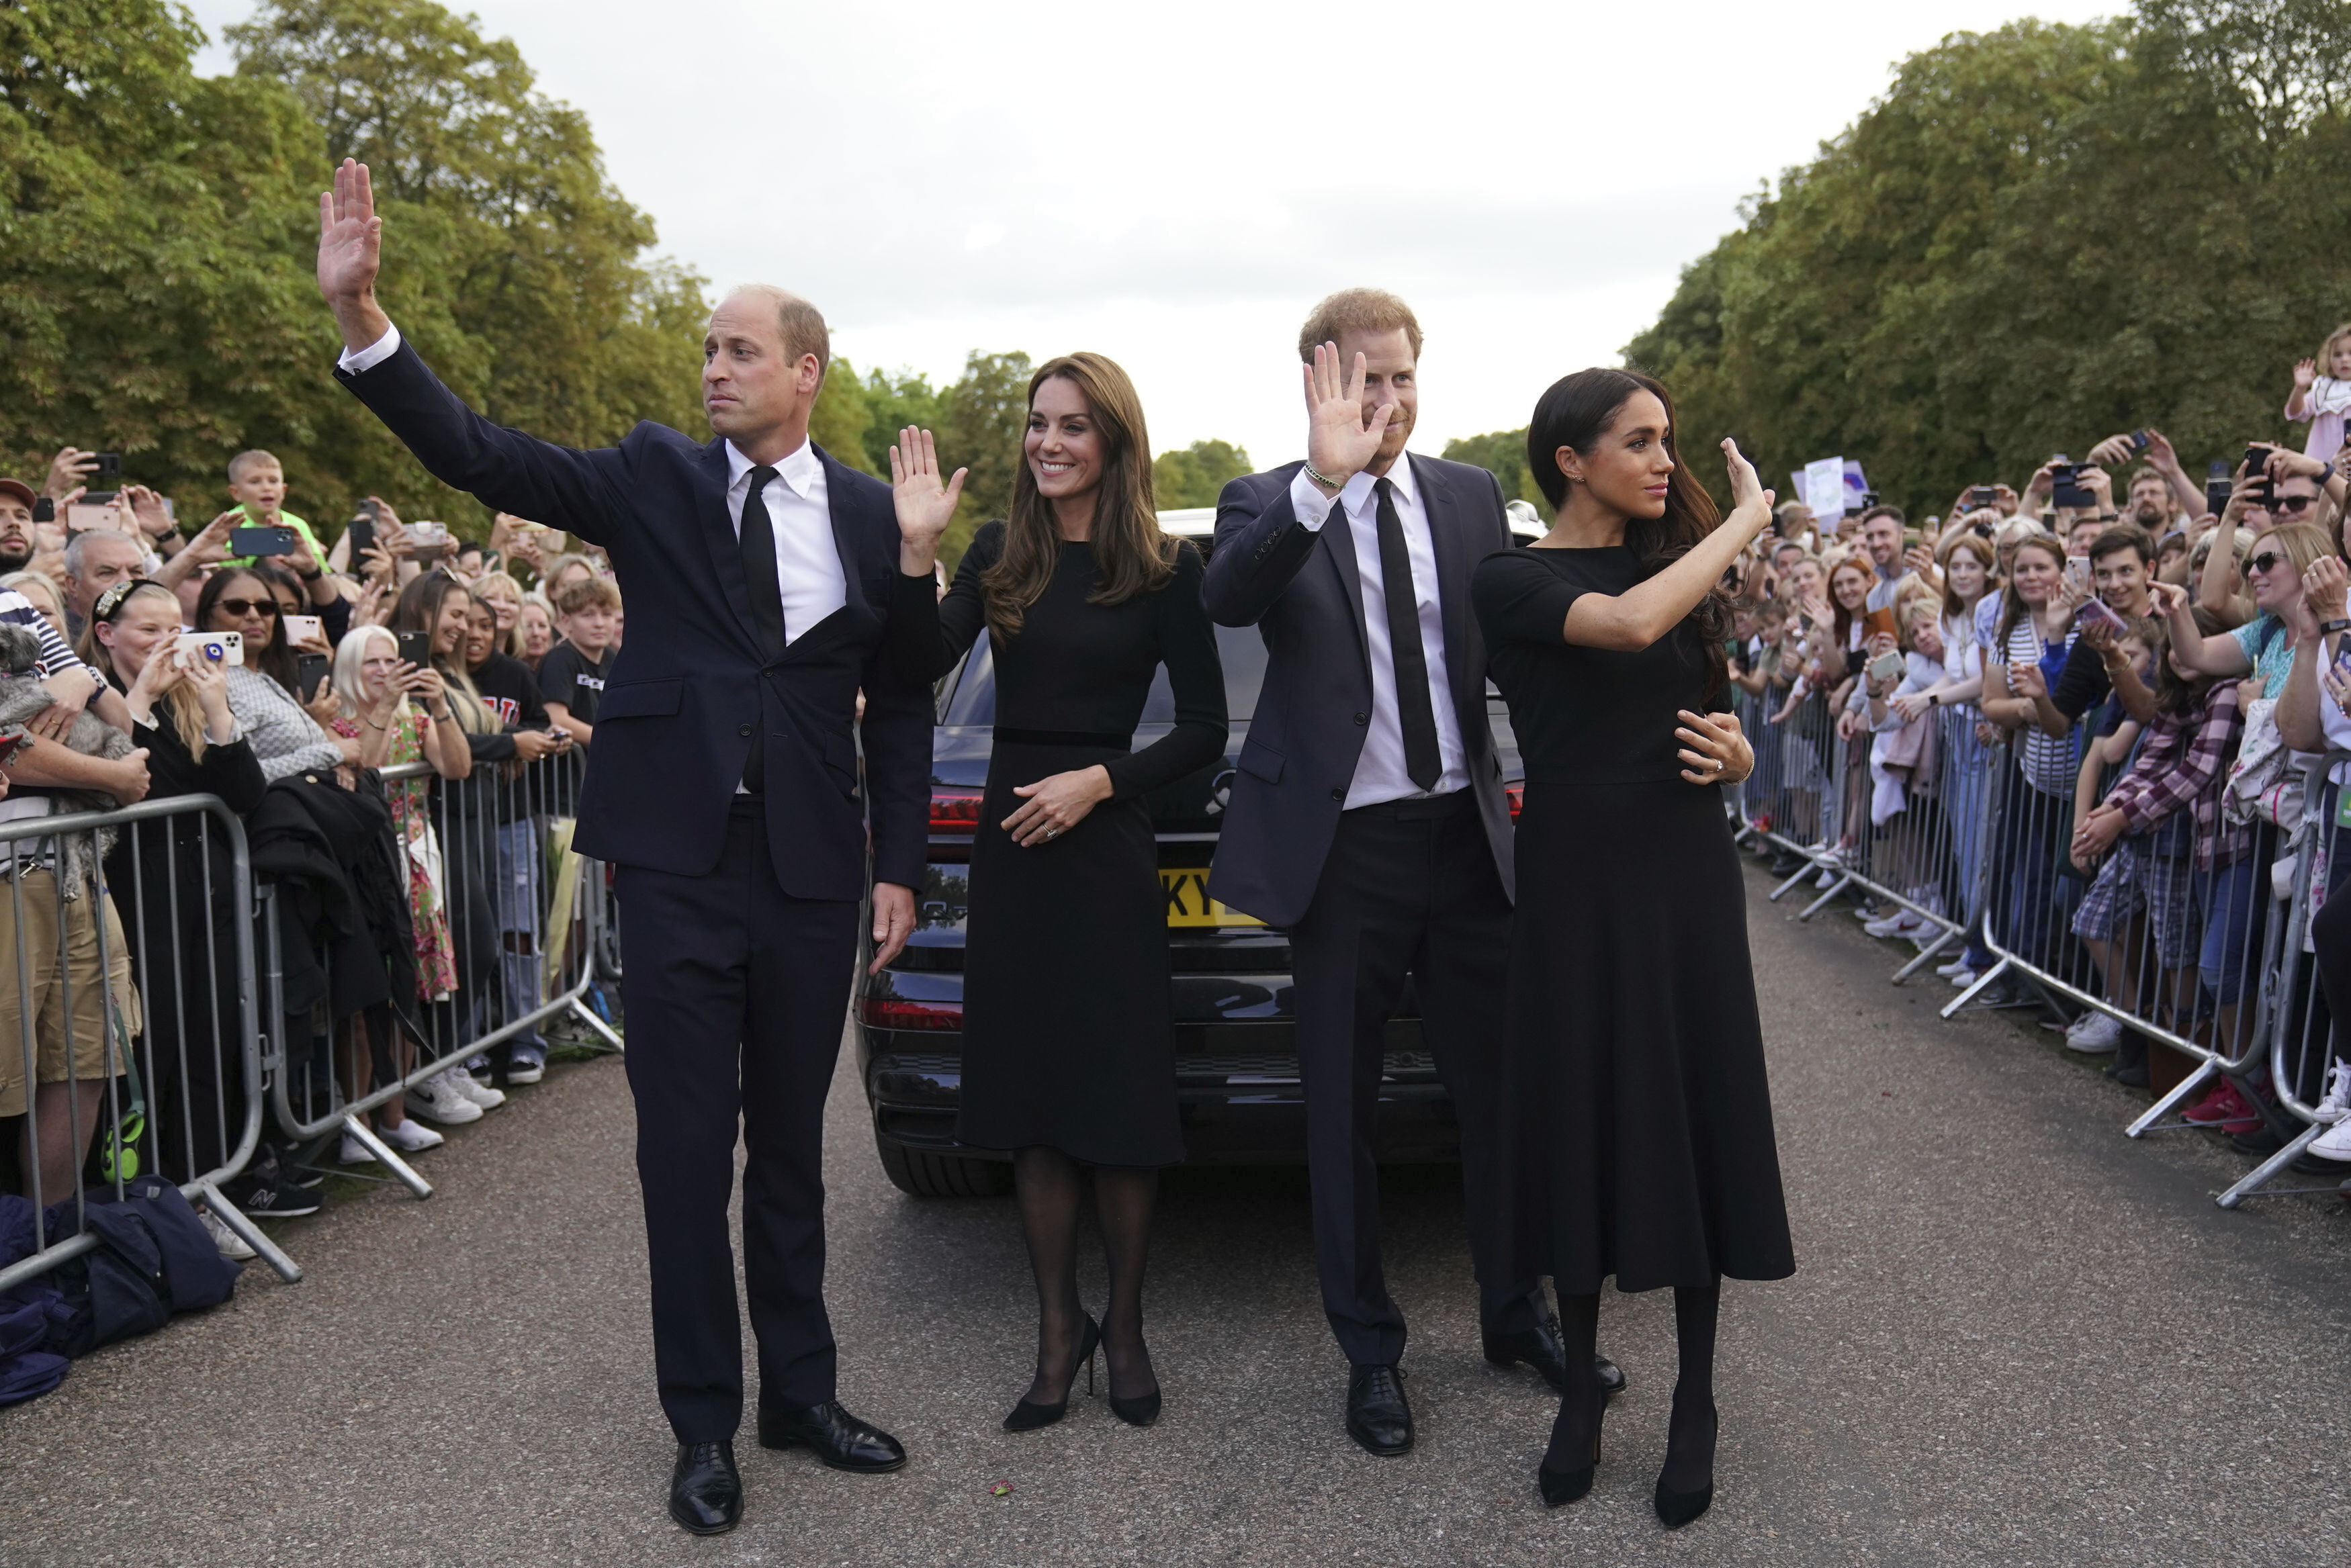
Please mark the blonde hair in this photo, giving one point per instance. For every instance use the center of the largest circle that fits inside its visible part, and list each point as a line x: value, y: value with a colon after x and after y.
x: 2327, y: 349
x: 509, y: 641
x: 180, y: 702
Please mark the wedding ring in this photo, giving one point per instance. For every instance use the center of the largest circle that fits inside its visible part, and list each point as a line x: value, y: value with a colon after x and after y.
x: 1052, y: 833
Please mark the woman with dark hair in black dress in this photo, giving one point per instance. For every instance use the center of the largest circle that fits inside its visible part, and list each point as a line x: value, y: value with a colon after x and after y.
x: 1069, y: 1060
x: 1633, y: 1056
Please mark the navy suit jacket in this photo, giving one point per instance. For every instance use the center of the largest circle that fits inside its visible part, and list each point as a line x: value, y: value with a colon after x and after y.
x: 693, y: 690
x: 1301, y: 589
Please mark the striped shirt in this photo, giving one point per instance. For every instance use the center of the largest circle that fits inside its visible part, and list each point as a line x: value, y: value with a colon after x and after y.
x: 56, y: 657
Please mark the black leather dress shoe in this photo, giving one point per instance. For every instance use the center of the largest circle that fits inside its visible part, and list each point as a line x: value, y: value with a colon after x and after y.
x: 1541, y: 1348
x: 1379, y: 1417
x: 705, y: 1495
x: 840, y: 1438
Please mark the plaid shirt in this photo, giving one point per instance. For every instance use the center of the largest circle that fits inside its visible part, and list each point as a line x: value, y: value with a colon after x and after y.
x: 2184, y: 761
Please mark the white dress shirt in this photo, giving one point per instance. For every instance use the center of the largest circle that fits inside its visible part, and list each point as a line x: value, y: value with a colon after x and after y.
x: 1380, y: 772
x: 799, y: 514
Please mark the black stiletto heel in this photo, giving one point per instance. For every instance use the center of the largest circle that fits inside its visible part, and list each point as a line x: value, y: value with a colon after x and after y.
x: 1029, y: 1414
x: 1676, y: 1509
x: 1560, y: 1487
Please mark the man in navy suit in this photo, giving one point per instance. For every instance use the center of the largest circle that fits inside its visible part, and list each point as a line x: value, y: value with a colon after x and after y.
x: 724, y: 786
x: 1367, y: 814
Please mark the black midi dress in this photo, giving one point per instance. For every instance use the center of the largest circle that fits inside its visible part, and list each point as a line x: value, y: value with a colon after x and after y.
x: 1639, y: 1137
x: 1067, y: 1039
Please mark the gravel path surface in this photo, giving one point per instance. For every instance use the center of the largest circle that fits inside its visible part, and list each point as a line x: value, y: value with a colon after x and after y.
x: 2014, y: 1337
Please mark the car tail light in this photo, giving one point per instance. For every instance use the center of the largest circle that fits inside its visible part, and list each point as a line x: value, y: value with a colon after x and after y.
x: 1516, y: 793
x: 897, y: 1013
x: 955, y: 811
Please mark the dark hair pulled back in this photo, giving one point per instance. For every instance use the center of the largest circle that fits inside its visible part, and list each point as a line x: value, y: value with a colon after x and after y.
x: 1575, y: 411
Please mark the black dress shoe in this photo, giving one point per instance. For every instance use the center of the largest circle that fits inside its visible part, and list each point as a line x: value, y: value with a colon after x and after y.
x: 1379, y: 1417
x: 840, y: 1438
x: 705, y: 1495
x: 1541, y: 1348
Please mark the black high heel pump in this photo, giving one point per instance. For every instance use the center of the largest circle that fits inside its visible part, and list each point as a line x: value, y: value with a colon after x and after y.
x: 1559, y: 1487
x: 1676, y: 1509
x: 1029, y: 1414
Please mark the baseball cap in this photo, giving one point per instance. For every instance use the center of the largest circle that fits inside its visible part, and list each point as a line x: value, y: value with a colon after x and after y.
x: 19, y: 489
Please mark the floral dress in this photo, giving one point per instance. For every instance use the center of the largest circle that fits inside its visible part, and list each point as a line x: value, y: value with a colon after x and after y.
x: 412, y: 819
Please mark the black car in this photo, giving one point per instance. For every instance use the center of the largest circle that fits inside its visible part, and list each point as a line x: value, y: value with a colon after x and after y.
x: 1237, y: 1086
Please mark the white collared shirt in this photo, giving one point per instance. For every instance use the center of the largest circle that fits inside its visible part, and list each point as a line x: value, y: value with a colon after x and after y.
x: 799, y: 513
x: 808, y: 564
x: 1380, y: 772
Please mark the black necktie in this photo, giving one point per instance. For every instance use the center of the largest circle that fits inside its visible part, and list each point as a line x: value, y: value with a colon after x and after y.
x: 757, y: 541
x: 1414, y: 711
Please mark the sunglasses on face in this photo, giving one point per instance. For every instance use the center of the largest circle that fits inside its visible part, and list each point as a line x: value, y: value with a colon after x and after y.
x: 250, y: 606
x: 2291, y: 504
x: 2265, y: 561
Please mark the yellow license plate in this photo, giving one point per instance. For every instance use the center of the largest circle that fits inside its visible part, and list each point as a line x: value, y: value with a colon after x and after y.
x: 1188, y: 903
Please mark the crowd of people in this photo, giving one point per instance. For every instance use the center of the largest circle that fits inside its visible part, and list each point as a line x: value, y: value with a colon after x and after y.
x: 2080, y: 720
x: 253, y: 660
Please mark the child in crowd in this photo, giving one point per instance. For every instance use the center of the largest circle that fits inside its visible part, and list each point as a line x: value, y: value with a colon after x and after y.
x: 2145, y: 834
x: 2321, y: 397
x: 258, y: 484
x: 572, y: 676
x: 1901, y: 768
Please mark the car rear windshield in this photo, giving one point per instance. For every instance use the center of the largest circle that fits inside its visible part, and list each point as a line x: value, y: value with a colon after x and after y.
x: 971, y: 690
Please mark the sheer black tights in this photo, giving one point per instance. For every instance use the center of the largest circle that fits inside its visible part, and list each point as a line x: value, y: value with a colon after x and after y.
x: 1051, y: 1186
x: 1689, y: 1432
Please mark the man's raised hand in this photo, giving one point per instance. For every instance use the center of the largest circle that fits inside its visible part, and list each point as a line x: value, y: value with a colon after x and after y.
x: 350, y: 251
x: 926, y: 505
x: 1338, y: 443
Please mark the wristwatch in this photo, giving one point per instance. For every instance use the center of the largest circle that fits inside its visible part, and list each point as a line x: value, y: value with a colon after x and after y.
x: 1934, y: 699
x: 2329, y: 629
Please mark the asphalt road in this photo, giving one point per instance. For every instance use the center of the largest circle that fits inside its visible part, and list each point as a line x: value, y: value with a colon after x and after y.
x: 2014, y: 1337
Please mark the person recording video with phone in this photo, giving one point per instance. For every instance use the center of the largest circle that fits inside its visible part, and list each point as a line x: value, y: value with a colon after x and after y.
x: 285, y: 737
x: 181, y: 716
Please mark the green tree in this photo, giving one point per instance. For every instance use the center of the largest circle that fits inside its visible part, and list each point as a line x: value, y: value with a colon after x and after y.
x: 896, y: 401
x: 1502, y: 453
x: 512, y: 260
x: 843, y: 421
x: 1195, y: 475
x: 2039, y: 236
x: 981, y: 420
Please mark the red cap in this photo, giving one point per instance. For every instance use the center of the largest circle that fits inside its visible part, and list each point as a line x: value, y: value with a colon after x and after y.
x: 19, y: 489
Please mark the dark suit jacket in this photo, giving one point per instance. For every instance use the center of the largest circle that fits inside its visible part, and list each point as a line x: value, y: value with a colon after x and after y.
x: 1301, y: 591
x: 693, y: 687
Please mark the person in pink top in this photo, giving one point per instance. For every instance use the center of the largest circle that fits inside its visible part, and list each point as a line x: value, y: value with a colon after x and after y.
x: 2322, y: 399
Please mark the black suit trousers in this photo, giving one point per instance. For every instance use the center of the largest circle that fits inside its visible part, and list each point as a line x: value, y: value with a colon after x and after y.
x: 735, y: 992
x: 1409, y: 890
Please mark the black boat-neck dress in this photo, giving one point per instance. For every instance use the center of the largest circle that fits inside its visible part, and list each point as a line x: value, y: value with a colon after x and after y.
x: 1640, y: 1135
x: 1068, y: 1038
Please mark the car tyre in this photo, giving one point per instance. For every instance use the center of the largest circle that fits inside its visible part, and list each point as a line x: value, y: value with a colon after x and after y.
x: 920, y: 1174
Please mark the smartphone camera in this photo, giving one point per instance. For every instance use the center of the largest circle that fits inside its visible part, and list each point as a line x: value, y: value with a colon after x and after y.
x: 1982, y: 496
x: 2066, y: 487
x: 109, y: 467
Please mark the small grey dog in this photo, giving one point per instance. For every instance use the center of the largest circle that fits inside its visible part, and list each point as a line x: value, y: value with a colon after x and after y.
x: 22, y: 698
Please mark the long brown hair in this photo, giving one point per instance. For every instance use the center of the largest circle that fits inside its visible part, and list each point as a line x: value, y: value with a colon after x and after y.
x: 1575, y: 411
x: 1130, y: 555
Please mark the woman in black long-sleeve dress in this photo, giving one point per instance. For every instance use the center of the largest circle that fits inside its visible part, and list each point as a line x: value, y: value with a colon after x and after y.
x: 1633, y: 1056
x: 1068, y: 1057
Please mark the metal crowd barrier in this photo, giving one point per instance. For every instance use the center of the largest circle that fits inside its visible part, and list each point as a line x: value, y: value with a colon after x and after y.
x: 525, y: 918
x: 1900, y: 822
x: 177, y: 1058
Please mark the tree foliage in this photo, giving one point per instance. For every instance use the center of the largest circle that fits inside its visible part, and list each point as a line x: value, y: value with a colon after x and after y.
x: 1195, y: 475
x: 1502, y: 453
x: 2037, y: 237
x: 161, y: 229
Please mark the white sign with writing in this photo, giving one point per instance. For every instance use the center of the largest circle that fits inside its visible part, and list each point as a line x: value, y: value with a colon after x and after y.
x: 1825, y: 488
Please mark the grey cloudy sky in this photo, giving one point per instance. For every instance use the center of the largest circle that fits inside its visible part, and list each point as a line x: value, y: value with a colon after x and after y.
x: 1174, y: 186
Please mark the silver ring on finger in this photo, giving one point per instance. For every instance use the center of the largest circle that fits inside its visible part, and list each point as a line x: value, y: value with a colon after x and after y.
x: 1052, y: 833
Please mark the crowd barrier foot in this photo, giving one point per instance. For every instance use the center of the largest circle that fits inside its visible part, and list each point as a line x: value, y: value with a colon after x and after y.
x: 246, y: 1232
x: 1812, y: 868
x: 1844, y: 880
x: 611, y: 1039
x: 2204, y: 1074
x: 356, y: 1127
x: 1926, y: 955
x: 1951, y: 1008
x: 2256, y: 1180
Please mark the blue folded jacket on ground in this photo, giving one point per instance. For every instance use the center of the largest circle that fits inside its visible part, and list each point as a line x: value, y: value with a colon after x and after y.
x: 27, y: 1367
x: 153, y: 1259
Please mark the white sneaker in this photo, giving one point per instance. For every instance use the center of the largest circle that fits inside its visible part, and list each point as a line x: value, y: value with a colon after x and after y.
x: 413, y: 1136
x: 1828, y: 878
x: 463, y: 1080
x: 2337, y: 1103
x: 2094, y: 1033
x: 229, y: 1243
x: 1953, y: 967
x: 523, y: 1068
x: 1963, y: 977
x: 437, y: 1099
x: 1893, y: 924
x: 354, y: 1152
x: 2334, y: 1143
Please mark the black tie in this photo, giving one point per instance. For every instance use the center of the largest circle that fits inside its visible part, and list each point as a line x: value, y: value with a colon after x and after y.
x: 1414, y: 711
x: 757, y: 541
